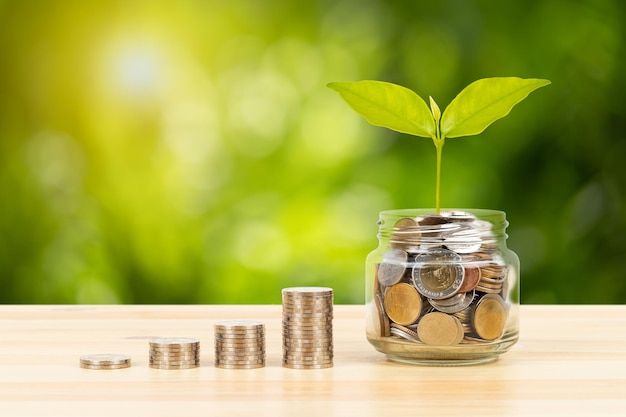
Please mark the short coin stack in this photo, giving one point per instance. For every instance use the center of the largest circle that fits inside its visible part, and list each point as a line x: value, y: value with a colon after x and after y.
x: 174, y: 353
x: 105, y: 361
x: 307, y: 327
x: 239, y: 344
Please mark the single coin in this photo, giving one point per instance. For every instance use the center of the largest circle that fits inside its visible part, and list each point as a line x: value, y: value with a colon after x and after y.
x: 308, y: 291
x: 454, y: 304
x: 321, y: 319
x: 405, y: 223
x: 310, y: 361
x: 300, y: 366
x: 382, y: 316
x: 439, y: 329
x: 404, y: 335
x: 104, y: 367
x: 105, y: 359
x: 402, y: 303
x: 173, y: 367
x: 460, y: 331
x: 243, y: 364
x: 229, y: 351
x: 248, y: 358
x: 175, y: 348
x: 327, y: 322
x: 174, y: 363
x: 392, y: 269
x: 174, y: 342
x: 239, y: 324
x: 490, y: 317
x: 228, y: 366
x: 172, y: 357
x: 405, y: 329
x: 324, y: 340
x: 471, y: 276
x: 313, y: 302
x: 238, y: 333
x: 438, y: 274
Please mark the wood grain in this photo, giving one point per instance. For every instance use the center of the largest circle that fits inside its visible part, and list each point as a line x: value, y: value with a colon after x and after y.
x: 570, y: 360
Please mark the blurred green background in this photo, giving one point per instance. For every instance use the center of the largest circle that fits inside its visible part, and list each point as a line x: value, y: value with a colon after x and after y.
x: 189, y: 151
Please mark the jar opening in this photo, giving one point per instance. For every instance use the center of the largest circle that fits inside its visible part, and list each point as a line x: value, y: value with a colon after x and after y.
x: 462, y: 231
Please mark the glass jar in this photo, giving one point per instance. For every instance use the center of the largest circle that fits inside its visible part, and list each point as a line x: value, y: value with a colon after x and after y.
x: 442, y: 289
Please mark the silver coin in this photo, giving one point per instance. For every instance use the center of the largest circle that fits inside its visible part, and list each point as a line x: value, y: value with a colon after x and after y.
x: 307, y: 365
x: 173, y: 367
x: 400, y: 333
x: 393, y: 267
x: 165, y: 348
x: 174, y: 342
x: 104, y: 367
x: 228, y: 366
x: 460, y: 302
x: 236, y: 324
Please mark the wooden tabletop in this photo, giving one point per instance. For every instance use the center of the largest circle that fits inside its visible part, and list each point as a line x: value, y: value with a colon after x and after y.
x: 570, y: 361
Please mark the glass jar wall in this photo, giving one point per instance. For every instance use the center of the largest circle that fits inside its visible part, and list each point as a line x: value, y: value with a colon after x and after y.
x: 442, y: 289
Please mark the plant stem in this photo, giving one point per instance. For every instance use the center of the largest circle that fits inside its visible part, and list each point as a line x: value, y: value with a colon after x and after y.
x: 439, y: 145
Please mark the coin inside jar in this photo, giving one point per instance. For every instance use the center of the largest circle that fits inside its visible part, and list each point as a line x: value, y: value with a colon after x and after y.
x: 406, y: 234
x: 490, y: 317
x: 402, y: 303
x: 471, y: 276
x: 391, y: 270
x: 437, y: 274
x: 440, y: 329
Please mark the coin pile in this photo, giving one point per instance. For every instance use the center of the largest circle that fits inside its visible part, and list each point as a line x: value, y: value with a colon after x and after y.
x: 239, y: 344
x: 442, y: 282
x: 174, y: 353
x: 307, y: 327
x: 105, y: 361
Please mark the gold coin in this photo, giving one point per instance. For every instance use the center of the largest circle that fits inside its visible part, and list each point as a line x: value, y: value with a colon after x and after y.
x: 440, y: 329
x: 382, y: 317
x: 402, y: 303
x: 405, y: 223
x: 490, y: 317
x: 406, y: 234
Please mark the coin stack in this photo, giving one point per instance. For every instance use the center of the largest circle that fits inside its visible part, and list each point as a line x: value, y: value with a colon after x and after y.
x: 105, y: 361
x: 239, y: 344
x: 174, y: 353
x: 442, y: 282
x: 307, y: 327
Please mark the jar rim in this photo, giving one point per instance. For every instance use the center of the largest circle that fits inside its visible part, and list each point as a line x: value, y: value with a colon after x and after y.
x: 421, y: 211
x: 463, y: 227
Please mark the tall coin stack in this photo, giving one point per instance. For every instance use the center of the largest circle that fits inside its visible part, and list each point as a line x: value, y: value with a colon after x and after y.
x: 307, y: 327
x: 239, y: 344
x: 174, y: 353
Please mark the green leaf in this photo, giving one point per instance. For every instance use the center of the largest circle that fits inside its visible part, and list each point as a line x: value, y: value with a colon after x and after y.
x: 435, y: 109
x: 388, y: 105
x: 483, y: 102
